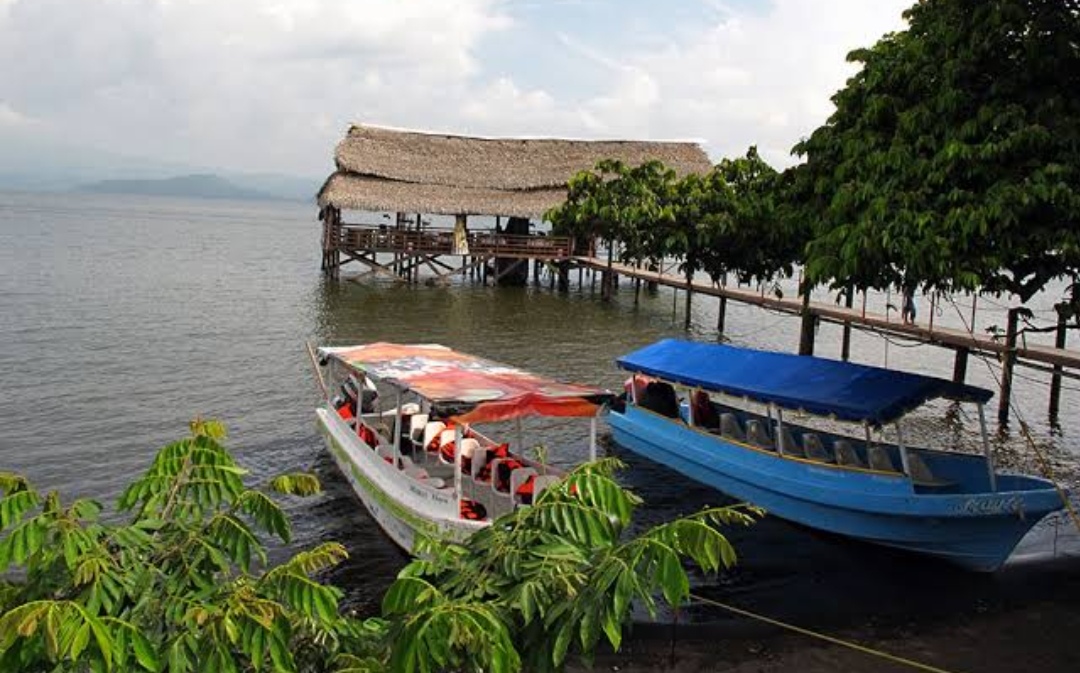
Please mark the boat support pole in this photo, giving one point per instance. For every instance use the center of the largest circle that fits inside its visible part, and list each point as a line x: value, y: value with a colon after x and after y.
x: 592, y: 438
x: 318, y: 372
x: 986, y: 448
x: 397, y: 432
x: 779, y: 431
x: 903, y: 448
x: 459, y: 434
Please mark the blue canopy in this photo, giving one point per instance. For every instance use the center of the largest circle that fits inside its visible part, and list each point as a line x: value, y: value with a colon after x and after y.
x: 847, y: 391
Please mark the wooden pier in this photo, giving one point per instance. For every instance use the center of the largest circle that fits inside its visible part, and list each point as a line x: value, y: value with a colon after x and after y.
x: 483, y: 251
x: 1052, y: 359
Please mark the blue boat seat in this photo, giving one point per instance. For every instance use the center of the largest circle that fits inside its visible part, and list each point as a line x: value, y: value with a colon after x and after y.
x: 921, y: 473
x: 789, y: 445
x: 815, y: 450
x: 758, y: 435
x: 845, y: 454
x: 880, y: 459
x: 730, y: 428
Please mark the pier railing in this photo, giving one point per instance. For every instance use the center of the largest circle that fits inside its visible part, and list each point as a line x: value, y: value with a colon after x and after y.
x: 435, y: 241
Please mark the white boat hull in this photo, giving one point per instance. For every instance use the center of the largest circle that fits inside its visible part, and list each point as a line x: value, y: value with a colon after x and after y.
x: 402, y: 506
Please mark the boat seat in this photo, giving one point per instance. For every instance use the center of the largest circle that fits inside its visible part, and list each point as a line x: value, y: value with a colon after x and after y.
x: 758, y: 435
x: 814, y: 449
x: 417, y: 424
x: 730, y: 428
x: 477, y: 463
x: 432, y: 430
x: 921, y: 473
x: 470, y: 448
x: 519, y: 477
x: 845, y: 454
x: 542, y: 482
x: 789, y: 445
x: 879, y: 459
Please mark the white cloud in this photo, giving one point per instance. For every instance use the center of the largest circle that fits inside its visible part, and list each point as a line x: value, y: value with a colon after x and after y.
x: 272, y: 84
x: 760, y: 78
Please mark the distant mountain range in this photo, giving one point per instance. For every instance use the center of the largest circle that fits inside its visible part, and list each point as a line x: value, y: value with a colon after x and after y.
x: 40, y: 165
x: 206, y: 186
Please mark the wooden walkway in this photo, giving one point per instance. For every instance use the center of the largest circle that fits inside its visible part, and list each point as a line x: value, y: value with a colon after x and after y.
x: 941, y: 336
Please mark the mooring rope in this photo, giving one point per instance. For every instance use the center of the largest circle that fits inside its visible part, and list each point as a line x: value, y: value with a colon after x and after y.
x: 1044, y: 464
x: 821, y: 636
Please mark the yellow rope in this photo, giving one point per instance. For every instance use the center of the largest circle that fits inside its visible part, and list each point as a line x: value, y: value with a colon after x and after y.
x: 821, y: 636
x: 1044, y: 464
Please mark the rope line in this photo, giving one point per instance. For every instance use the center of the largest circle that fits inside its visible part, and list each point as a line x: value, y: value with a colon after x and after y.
x: 1044, y: 463
x: 821, y: 636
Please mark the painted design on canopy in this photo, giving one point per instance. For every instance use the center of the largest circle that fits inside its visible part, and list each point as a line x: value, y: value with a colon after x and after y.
x: 477, y: 390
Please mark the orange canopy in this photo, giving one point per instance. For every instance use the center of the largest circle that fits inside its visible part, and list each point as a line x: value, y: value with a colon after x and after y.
x: 465, y: 387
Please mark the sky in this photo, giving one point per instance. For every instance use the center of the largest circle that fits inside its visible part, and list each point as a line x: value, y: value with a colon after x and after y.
x: 272, y: 85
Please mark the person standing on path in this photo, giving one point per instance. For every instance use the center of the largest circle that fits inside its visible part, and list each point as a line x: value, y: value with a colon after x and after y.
x: 908, y: 310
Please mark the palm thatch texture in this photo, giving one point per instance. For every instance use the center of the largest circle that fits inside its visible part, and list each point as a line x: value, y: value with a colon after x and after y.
x: 381, y: 169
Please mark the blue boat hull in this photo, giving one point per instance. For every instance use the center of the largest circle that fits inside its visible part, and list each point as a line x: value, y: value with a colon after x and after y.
x: 976, y: 530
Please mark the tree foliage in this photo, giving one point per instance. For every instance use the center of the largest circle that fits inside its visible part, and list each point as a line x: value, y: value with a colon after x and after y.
x: 183, y: 585
x: 727, y: 221
x: 744, y: 230
x: 548, y: 580
x: 619, y: 204
x: 952, y: 160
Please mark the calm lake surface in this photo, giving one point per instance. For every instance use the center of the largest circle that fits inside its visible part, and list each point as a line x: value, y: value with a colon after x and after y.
x: 121, y: 318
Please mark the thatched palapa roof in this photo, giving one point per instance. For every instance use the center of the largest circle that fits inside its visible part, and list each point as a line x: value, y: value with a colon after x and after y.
x: 381, y: 169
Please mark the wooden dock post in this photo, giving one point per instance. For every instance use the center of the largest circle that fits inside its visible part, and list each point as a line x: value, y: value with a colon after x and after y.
x: 959, y: 370
x: 806, y: 333
x: 1055, y: 378
x: 845, y: 347
x: 721, y: 315
x: 689, y: 301
x: 1008, y: 361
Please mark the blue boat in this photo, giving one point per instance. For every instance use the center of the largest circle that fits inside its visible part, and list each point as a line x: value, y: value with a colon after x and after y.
x: 942, y: 503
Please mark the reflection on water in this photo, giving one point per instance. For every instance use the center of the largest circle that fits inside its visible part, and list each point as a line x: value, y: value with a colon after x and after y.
x: 125, y: 317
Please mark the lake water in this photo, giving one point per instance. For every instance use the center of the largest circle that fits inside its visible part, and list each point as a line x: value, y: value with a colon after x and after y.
x: 121, y: 318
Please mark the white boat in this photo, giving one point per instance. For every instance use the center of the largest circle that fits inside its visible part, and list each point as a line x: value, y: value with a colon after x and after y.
x: 400, y: 455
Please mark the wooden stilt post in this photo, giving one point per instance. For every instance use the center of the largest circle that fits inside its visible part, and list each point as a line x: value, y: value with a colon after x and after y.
x: 721, y: 315
x: 689, y: 300
x: 959, y: 370
x: 1008, y: 361
x: 1055, y: 379
x: 806, y: 333
x: 845, y: 347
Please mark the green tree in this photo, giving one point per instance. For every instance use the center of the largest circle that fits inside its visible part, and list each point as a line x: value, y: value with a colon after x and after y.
x: 184, y: 585
x: 952, y: 160
x: 548, y: 580
x: 616, y: 203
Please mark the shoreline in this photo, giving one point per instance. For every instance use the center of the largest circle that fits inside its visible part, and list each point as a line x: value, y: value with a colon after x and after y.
x: 1030, y: 627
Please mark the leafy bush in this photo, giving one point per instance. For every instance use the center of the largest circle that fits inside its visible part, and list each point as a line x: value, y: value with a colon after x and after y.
x: 185, y: 584
x: 548, y: 579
